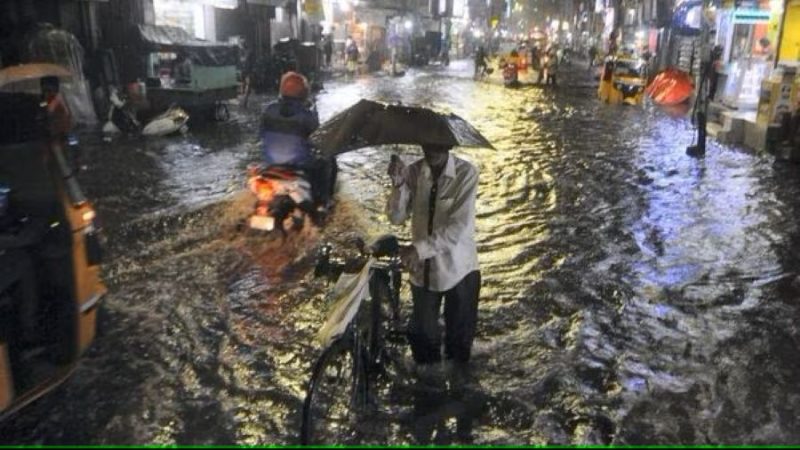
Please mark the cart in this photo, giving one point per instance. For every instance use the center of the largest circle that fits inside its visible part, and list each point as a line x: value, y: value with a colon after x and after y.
x: 211, y: 81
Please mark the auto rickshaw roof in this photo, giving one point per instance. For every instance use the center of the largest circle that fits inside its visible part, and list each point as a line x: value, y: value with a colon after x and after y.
x: 157, y: 38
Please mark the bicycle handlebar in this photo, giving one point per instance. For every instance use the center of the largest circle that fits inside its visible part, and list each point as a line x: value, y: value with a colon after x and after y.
x: 386, y: 246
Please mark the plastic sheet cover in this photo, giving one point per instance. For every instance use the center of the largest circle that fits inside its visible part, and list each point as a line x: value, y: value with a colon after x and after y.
x: 53, y: 45
x: 174, y: 39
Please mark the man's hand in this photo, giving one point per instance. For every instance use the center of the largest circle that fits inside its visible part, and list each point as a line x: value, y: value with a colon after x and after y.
x: 397, y: 171
x: 409, y: 256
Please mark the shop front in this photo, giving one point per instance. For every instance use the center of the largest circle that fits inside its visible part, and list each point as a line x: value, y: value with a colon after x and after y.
x: 747, y: 39
x: 760, y: 49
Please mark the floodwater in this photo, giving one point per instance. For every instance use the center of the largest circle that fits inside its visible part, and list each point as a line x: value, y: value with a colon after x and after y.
x: 630, y: 294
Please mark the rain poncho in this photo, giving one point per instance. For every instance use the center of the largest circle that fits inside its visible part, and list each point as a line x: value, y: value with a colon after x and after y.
x: 285, y: 127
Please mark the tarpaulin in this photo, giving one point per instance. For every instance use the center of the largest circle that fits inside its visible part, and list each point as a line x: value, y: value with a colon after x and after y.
x: 174, y: 39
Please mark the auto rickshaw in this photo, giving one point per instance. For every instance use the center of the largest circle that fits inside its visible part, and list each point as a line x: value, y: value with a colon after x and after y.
x: 49, y: 256
x: 622, y: 81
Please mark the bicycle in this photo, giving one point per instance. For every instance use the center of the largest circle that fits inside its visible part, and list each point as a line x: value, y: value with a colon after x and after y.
x: 338, y: 395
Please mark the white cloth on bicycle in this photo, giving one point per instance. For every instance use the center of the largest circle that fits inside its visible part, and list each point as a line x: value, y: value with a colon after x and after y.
x: 451, y: 247
x: 348, y: 293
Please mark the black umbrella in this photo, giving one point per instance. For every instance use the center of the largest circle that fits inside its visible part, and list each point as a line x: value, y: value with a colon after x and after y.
x: 369, y: 123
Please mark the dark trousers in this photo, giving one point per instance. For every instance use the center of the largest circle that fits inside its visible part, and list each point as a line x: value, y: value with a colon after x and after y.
x: 460, y: 318
x: 323, y: 173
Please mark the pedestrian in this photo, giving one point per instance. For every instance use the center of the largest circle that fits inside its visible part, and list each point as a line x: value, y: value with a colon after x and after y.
x: 247, y: 73
x: 438, y: 193
x: 536, y: 63
x: 59, y: 119
x: 592, y: 55
x: 551, y: 66
x: 613, y: 46
x: 352, y: 56
x: 328, y: 47
x: 286, y: 125
x: 58, y: 113
x: 182, y: 69
x: 481, y: 62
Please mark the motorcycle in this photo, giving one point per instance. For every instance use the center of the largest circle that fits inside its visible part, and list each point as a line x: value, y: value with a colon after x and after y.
x: 121, y: 119
x: 283, y: 198
x: 510, y: 73
x: 172, y: 120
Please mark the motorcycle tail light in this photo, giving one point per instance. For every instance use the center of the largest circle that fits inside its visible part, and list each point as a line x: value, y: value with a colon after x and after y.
x: 262, y: 188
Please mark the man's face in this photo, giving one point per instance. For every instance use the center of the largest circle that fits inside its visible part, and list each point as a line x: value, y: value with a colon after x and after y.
x: 436, y: 157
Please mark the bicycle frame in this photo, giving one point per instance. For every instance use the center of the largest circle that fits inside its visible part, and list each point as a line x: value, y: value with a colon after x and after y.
x: 362, y: 339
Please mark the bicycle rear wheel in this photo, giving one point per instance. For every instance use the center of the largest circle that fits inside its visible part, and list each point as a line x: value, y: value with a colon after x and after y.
x: 336, y: 396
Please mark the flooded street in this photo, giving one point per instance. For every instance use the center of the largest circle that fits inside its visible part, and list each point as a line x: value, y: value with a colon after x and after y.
x: 630, y: 294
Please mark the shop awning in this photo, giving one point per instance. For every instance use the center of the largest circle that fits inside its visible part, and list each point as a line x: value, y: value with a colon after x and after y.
x: 156, y: 38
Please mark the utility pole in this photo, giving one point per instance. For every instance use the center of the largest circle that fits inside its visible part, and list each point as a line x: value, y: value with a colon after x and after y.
x: 701, y: 101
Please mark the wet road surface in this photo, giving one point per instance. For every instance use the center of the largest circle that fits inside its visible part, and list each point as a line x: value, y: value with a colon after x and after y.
x: 631, y: 294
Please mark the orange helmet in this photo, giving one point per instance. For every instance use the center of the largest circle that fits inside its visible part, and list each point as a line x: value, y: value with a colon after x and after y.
x: 294, y: 85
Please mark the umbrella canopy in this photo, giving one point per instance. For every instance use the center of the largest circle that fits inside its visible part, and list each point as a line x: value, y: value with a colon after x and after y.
x: 25, y: 72
x: 369, y: 123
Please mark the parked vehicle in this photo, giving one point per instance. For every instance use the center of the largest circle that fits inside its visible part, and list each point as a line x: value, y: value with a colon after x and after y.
x: 622, y: 81
x: 49, y: 234
x: 121, y: 119
x: 201, y: 77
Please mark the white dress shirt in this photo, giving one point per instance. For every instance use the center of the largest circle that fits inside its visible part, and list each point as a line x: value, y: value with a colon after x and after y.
x: 448, y: 247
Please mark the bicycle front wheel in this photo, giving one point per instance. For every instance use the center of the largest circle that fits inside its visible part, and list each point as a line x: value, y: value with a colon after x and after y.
x: 336, y: 396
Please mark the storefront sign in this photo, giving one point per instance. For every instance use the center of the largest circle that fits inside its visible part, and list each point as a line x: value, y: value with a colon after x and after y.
x: 314, y: 10
x: 751, y: 16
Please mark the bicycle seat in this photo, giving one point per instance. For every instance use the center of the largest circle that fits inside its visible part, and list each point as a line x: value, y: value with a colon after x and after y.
x: 386, y: 245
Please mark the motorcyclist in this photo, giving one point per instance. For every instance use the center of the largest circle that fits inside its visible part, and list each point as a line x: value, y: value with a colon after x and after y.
x: 510, y: 68
x: 286, y: 125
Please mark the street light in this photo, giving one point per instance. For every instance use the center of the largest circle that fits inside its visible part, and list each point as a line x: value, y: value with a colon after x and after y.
x: 409, y: 25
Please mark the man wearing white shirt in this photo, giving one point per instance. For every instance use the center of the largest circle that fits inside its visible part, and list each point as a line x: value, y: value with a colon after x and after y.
x: 438, y: 193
